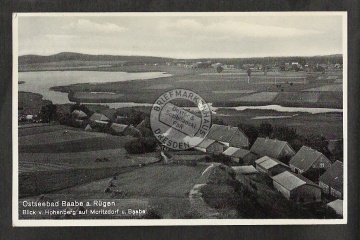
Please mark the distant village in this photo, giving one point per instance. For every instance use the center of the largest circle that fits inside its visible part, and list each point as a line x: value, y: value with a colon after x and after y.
x: 301, y: 65
x: 289, y: 170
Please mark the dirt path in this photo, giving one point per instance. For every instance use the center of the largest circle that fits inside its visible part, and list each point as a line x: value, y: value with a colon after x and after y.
x: 198, y: 206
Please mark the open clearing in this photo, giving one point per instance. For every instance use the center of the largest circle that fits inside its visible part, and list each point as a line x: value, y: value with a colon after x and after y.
x: 164, y: 188
x: 151, y: 181
x: 50, y: 160
x: 212, y: 86
x: 258, y: 97
x: 298, y: 97
x: 57, y: 137
x: 51, y: 139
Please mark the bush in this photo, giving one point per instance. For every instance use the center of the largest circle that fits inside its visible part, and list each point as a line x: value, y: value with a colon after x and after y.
x: 219, y: 196
x: 151, y: 213
x: 221, y: 159
x: 141, y: 145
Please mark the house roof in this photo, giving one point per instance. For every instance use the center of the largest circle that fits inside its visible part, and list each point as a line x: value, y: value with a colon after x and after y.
x: 337, y: 205
x: 268, y: 162
x: 109, y: 113
x: 305, y: 158
x: 118, y: 127
x: 244, y: 169
x: 223, y: 133
x: 334, y: 176
x: 79, y: 114
x: 291, y: 181
x: 101, y: 122
x: 141, y: 124
x: 236, y: 152
x: 268, y: 147
x: 205, y: 143
x: 192, y: 141
x: 230, y: 151
x: 99, y: 117
x: 241, y: 153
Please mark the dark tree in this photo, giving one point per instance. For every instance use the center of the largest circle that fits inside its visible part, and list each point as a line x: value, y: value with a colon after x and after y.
x: 338, y: 151
x: 285, y: 133
x: 249, y: 72
x: 48, y: 113
x: 219, y: 69
x: 141, y: 145
x: 265, y: 129
x: 218, y: 121
x: 317, y: 142
x: 250, y: 131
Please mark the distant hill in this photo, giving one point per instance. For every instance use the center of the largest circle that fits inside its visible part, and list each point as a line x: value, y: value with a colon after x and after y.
x: 70, y: 56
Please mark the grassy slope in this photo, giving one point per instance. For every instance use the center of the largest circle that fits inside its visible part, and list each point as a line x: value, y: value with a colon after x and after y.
x: 52, y: 160
x: 163, y: 187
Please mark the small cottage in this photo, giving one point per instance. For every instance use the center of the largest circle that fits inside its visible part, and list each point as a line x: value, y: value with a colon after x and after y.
x: 228, y: 135
x: 118, y: 129
x: 331, y: 181
x: 307, y: 158
x: 270, y: 166
x: 210, y: 146
x: 272, y: 148
x: 337, y: 206
x: 241, y: 156
x: 297, y: 188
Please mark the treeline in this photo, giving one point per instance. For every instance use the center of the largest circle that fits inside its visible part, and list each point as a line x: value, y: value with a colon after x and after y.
x: 70, y: 56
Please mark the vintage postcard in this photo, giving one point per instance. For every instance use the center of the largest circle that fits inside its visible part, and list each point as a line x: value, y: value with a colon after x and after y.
x: 128, y: 119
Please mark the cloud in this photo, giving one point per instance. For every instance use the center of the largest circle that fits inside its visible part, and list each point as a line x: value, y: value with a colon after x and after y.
x: 84, y: 25
x: 237, y: 29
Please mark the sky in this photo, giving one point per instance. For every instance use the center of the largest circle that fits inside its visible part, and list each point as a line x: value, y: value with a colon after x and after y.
x: 183, y: 35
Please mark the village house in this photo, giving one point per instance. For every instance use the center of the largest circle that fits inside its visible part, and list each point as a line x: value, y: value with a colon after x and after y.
x: 273, y: 148
x: 210, y: 146
x: 230, y: 136
x: 78, y: 114
x: 110, y: 113
x: 297, y: 188
x: 99, y: 124
x: 270, y: 166
x: 99, y: 117
x: 331, y: 181
x: 307, y: 158
x: 337, y: 206
x: 118, y: 129
x: 241, y: 156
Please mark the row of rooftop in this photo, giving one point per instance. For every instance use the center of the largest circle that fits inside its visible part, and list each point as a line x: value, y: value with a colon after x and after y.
x: 265, y: 156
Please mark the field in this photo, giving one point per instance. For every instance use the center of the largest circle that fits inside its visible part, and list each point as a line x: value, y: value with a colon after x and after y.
x: 228, y: 87
x: 163, y: 188
x: 327, y: 124
x: 50, y: 160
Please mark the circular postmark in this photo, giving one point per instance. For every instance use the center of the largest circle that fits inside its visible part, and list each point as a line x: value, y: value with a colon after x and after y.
x: 180, y: 119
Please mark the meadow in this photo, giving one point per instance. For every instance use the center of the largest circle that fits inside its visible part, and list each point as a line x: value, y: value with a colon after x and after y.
x: 230, y: 87
x: 50, y: 160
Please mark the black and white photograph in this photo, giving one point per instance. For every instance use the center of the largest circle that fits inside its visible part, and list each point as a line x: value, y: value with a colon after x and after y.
x: 143, y: 119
